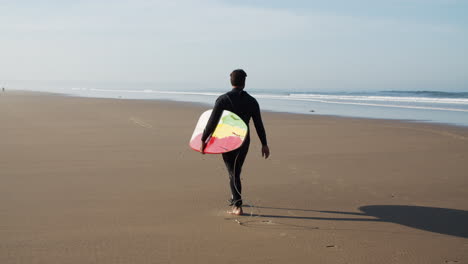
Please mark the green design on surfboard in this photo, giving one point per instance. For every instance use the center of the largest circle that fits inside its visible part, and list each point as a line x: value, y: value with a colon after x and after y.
x: 234, y: 121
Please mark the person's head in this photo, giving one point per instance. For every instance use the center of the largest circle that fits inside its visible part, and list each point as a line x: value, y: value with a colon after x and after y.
x: 238, y: 78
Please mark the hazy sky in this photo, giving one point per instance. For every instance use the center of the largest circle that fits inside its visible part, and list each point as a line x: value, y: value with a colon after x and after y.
x: 308, y: 45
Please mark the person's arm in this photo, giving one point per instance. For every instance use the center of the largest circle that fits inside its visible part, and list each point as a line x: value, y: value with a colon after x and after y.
x: 257, y: 118
x: 212, y: 123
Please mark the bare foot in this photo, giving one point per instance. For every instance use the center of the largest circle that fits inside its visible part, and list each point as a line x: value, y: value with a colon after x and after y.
x: 236, y: 210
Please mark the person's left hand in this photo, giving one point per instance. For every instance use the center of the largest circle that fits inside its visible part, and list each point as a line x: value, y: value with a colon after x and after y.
x: 202, y: 147
x: 265, y: 151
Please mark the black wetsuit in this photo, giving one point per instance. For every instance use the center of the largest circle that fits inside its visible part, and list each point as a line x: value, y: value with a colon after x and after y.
x: 245, y: 106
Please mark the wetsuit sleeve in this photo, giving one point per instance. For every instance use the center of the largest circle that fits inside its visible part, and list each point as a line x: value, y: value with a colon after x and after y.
x: 214, y: 119
x: 257, y: 118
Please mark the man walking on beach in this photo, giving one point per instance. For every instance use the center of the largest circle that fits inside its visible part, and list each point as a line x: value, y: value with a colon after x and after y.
x: 245, y: 106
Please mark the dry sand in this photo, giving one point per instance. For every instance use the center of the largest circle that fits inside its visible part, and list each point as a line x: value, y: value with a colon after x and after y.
x: 113, y: 181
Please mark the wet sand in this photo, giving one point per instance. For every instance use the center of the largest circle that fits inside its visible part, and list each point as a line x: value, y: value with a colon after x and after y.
x: 87, y: 180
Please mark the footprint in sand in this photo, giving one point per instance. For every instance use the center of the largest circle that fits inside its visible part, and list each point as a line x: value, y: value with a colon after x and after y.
x: 140, y: 122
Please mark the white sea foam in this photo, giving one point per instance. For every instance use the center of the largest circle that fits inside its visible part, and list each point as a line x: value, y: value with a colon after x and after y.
x: 423, y: 103
x: 390, y: 105
x: 369, y: 101
x: 154, y: 91
x: 383, y: 98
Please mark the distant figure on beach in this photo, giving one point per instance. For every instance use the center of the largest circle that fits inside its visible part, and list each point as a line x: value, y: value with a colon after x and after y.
x: 3, y: 89
x: 245, y: 106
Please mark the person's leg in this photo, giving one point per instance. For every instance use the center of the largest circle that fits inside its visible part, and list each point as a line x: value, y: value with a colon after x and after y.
x: 229, y: 159
x: 234, y: 161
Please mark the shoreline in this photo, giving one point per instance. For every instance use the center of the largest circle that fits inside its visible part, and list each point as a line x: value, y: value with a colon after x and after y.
x: 202, y: 105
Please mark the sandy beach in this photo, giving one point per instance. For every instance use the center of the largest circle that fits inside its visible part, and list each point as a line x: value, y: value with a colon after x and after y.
x: 86, y: 180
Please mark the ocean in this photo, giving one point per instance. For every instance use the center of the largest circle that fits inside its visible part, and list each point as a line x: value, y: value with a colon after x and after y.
x: 414, y: 106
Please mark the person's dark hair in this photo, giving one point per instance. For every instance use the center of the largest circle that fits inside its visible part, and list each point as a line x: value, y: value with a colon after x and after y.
x: 238, y: 77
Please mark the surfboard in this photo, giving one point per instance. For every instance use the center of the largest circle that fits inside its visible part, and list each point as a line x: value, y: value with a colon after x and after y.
x: 228, y: 135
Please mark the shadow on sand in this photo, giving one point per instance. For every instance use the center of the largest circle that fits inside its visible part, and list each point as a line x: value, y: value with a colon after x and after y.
x: 438, y: 220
